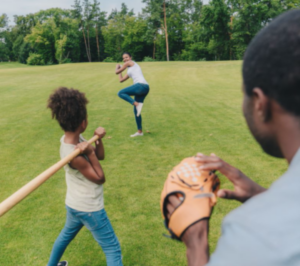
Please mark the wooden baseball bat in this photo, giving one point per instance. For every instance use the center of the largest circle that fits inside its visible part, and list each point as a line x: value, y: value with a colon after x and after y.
x: 24, y: 191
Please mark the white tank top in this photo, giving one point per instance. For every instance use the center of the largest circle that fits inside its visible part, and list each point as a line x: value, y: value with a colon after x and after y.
x: 135, y: 72
x: 82, y: 194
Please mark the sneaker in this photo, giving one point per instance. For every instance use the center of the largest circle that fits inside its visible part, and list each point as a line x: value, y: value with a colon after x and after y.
x: 137, y: 134
x: 63, y: 263
x: 139, y: 109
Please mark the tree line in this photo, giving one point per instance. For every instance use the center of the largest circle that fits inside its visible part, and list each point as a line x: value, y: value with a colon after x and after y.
x: 165, y: 30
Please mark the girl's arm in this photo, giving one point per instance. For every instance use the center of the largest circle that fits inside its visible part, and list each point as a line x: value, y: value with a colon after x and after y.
x: 91, y: 169
x: 99, y: 150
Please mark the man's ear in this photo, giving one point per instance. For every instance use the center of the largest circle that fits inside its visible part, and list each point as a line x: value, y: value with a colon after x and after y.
x: 261, y: 105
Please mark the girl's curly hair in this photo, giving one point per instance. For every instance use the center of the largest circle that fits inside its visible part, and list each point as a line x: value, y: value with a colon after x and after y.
x: 68, y: 107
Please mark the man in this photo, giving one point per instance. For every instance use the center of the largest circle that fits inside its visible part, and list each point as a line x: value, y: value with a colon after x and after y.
x: 265, y: 230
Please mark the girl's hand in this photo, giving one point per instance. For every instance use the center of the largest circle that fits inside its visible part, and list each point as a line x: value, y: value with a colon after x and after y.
x: 85, y: 148
x: 100, y: 131
x: 118, y: 66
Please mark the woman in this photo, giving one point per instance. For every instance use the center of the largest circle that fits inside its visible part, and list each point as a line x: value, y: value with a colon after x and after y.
x: 139, y: 89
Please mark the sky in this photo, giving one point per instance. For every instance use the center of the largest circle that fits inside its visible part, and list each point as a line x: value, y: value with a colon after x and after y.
x: 23, y: 7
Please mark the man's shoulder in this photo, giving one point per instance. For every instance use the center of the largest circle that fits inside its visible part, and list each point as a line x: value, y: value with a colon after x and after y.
x: 265, y: 229
x: 271, y: 210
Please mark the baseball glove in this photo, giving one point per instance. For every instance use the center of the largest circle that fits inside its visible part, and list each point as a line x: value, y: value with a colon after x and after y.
x: 196, y: 190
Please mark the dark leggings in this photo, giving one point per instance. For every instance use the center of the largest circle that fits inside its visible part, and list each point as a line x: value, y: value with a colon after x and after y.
x: 139, y: 91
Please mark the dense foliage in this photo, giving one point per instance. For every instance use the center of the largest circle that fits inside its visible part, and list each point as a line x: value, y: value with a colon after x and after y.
x: 164, y: 30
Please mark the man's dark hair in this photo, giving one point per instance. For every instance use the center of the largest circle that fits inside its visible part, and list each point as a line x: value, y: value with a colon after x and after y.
x: 272, y: 62
x: 68, y: 107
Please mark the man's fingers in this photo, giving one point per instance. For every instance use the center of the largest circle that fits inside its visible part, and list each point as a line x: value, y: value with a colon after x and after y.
x: 211, y: 166
x: 227, y: 194
x: 173, y: 203
x: 205, y: 159
x: 170, y: 209
x: 232, y: 173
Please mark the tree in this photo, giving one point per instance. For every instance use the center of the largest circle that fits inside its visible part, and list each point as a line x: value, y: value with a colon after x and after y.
x: 166, y: 29
x: 99, y: 20
x: 193, y: 37
x: 152, y: 15
x: 249, y: 16
x: 215, y: 21
x: 114, y: 32
x: 135, y: 37
x: 3, y: 21
x: 79, y: 15
x: 55, y: 37
x: 42, y: 40
x: 4, y: 50
x: 156, y: 12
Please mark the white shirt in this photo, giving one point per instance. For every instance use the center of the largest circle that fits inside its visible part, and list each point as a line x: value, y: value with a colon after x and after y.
x: 265, y: 230
x: 135, y: 72
x: 82, y: 194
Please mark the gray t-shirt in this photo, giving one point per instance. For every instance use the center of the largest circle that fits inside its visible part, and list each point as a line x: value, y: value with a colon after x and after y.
x: 264, y: 231
x: 82, y: 194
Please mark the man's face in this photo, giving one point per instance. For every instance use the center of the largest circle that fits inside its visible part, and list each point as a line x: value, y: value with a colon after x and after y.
x: 260, y: 127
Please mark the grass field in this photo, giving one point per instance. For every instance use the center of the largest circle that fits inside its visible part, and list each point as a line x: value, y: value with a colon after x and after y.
x: 191, y: 107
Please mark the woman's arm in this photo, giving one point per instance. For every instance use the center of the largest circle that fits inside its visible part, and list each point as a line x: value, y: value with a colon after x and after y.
x: 122, y: 79
x: 120, y: 69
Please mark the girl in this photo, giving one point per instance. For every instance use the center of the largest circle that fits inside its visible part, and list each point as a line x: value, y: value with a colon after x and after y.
x: 84, y: 178
x: 139, y: 89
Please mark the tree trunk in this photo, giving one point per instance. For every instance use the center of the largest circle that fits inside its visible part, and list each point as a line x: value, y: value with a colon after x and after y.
x: 154, y: 41
x: 166, y: 31
x: 230, y: 42
x: 97, y: 41
x: 61, y: 54
x: 85, y: 42
x: 230, y: 34
x: 89, y: 47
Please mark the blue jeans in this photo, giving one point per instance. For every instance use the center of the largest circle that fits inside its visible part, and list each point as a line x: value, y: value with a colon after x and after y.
x: 139, y: 91
x: 99, y: 225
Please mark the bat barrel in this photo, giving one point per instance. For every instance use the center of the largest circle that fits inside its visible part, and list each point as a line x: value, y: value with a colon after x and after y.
x: 24, y: 191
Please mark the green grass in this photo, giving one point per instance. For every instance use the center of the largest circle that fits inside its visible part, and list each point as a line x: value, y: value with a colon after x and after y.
x: 191, y: 107
x: 5, y: 65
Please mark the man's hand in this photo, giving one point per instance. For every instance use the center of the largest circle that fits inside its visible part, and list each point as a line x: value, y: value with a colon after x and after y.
x: 194, y: 238
x: 244, y: 187
x: 85, y: 148
x: 100, y: 131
